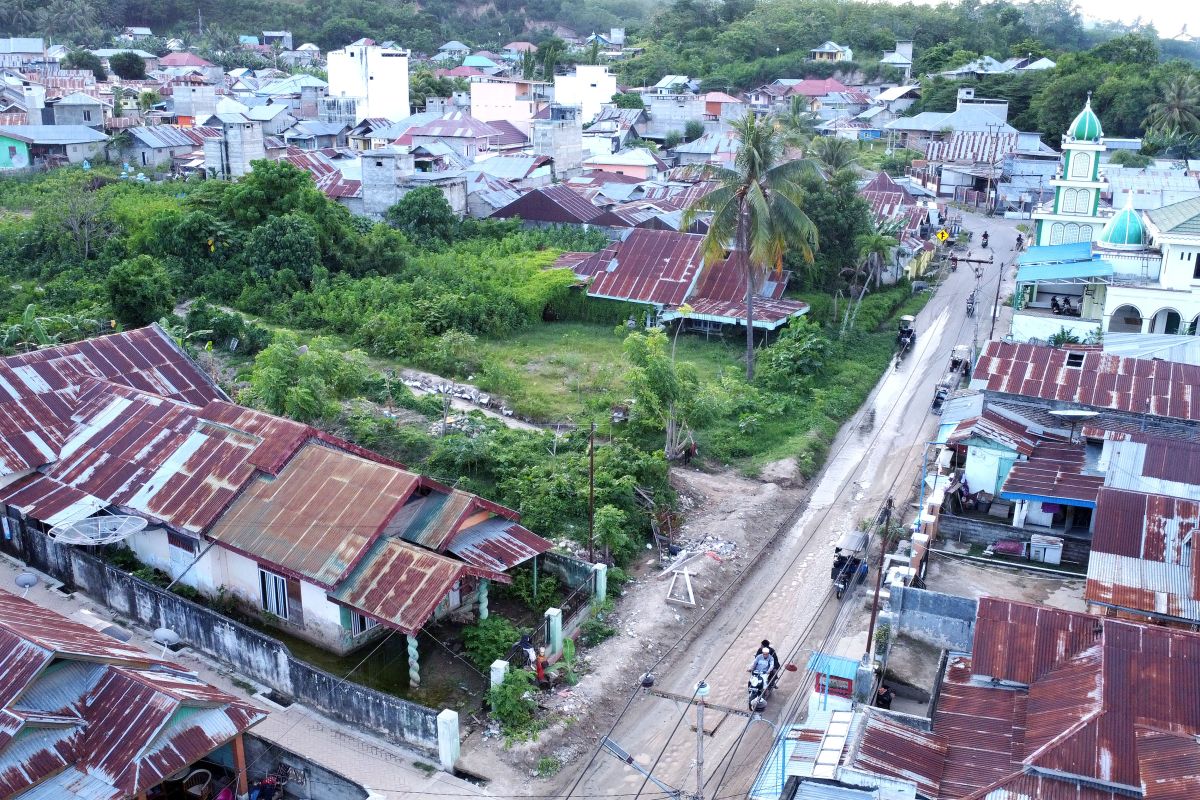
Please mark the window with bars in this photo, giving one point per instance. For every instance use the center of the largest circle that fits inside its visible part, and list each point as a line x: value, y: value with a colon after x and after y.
x: 360, y: 623
x: 274, y: 593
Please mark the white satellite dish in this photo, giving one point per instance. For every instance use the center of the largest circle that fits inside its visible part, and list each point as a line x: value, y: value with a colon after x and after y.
x: 98, y: 530
x: 1075, y: 414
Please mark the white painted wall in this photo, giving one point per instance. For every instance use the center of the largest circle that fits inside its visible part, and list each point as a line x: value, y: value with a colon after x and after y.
x: 982, y: 469
x: 150, y: 546
x: 1179, y: 267
x: 492, y: 101
x: 1150, y: 301
x: 1028, y: 326
x: 1036, y: 516
x: 589, y: 88
x: 377, y: 77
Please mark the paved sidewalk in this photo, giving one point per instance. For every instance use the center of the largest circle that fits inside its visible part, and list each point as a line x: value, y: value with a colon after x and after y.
x: 386, y: 771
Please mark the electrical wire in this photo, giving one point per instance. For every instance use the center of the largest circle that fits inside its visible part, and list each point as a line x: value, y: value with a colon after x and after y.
x: 752, y: 563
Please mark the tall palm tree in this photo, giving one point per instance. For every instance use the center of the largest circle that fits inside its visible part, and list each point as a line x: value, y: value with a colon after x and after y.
x: 1178, y: 108
x: 798, y: 124
x: 873, y: 249
x: 833, y: 153
x: 757, y: 210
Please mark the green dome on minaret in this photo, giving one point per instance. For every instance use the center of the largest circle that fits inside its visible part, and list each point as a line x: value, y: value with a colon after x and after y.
x: 1086, y: 127
x: 1125, y: 230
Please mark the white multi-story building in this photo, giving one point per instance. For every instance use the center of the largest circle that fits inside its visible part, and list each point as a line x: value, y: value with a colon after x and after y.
x: 1074, y: 213
x: 374, y: 77
x: 588, y: 89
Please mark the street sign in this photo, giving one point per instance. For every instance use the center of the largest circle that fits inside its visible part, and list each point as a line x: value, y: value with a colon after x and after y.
x: 943, y: 235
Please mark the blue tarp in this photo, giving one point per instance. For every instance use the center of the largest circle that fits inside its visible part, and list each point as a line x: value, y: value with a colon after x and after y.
x: 1070, y: 270
x: 1076, y: 251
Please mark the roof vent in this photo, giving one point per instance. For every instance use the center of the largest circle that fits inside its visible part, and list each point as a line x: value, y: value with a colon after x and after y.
x: 612, y: 266
x: 1075, y: 360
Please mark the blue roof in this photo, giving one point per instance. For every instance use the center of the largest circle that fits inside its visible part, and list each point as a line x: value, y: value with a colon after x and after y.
x: 1076, y: 251
x: 1064, y: 271
x: 836, y: 666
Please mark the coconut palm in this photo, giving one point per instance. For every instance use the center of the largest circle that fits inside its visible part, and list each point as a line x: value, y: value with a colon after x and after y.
x: 873, y: 249
x: 833, y: 153
x: 1178, y: 108
x: 757, y: 210
x: 797, y: 123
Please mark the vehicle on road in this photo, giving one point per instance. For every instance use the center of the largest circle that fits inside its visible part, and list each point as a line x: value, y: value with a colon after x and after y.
x: 971, y: 304
x: 758, y: 689
x: 848, y: 565
x: 906, y: 337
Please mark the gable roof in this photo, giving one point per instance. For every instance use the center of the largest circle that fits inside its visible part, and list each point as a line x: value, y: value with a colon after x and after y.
x: 649, y: 266
x: 85, y: 715
x: 1062, y: 704
x: 453, y: 44
x: 183, y: 59
x: 53, y: 134
x: 816, y: 87
x: 456, y: 125
x: 555, y: 203
x: 509, y: 135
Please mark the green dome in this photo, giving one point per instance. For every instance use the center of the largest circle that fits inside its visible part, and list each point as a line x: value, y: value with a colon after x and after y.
x: 1125, y: 229
x: 1086, y: 127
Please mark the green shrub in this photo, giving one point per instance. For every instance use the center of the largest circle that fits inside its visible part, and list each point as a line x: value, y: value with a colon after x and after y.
x: 489, y: 639
x: 548, y: 766
x: 188, y: 592
x: 512, y: 703
x: 595, y: 629
x: 124, y: 558
x: 521, y: 588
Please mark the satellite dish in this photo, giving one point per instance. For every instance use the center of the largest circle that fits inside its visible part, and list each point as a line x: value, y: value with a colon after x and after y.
x: 98, y: 530
x: 1075, y: 414
x: 166, y: 637
x: 26, y: 580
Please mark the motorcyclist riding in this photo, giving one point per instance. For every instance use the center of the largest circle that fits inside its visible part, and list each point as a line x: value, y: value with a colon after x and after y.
x: 766, y: 645
x: 984, y: 239
x: 764, y: 663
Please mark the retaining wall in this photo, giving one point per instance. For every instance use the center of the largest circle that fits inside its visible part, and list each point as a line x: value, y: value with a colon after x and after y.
x: 248, y: 651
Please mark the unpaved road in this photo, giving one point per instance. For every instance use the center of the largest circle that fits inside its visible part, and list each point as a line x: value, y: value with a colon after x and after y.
x: 786, y: 597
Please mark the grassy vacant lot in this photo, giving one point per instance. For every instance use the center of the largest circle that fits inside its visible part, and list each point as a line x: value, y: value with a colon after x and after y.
x: 570, y: 369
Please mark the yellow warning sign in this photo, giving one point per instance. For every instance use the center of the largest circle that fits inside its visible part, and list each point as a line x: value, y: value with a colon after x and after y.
x: 943, y: 235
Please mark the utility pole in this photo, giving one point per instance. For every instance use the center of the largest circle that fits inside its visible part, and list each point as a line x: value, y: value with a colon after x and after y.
x: 885, y: 517
x: 592, y: 493
x: 701, y: 693
x: 996, y: 304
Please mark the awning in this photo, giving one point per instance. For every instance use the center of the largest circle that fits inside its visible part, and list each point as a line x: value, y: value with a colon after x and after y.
x: 1064, y: 271
x: 497, y: 544
x: 1046, y: 254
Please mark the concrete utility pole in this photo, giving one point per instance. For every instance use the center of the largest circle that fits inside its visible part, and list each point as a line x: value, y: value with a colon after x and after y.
x: 996, y: 304
x: 885, y: 518
x: 701, y: 693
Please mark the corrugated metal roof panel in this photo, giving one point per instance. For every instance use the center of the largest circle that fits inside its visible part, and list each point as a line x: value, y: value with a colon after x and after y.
x: 317, y: 518
x: 1160, y: 388
x: 901, y: 752
x: 658, y: 267
x: 1020, y: 642
x: 1053, y: 472
x: 401, y: 585
x: 996, y: 428
x: 497, y: 544
x: 556, y: 203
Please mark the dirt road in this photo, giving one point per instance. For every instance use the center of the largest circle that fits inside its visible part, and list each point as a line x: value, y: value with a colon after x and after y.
x: 786, y: 597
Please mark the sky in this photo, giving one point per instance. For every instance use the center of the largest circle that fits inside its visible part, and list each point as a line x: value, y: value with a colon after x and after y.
x: 1168, y: 16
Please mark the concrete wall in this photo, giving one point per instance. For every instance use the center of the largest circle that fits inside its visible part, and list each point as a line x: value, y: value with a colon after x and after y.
x: 249, y: 652
x: 969, y: 530
x: 571, y: 571
x: 945, y: 621
x: 90, y: 115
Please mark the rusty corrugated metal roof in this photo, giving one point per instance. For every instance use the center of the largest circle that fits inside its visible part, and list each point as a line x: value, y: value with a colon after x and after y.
x: 317, y: 518
x: 146, y: 359
x: 996, y: 428
x: 1020, y: 642
x: 86, y: 716
x: 1140, y: 557
x: 658, y: 267
x: 1029, y: 786
x: 888, y: 748
x: 497, y: 544
x: 556, y: 203
x: 1054, y: 471
x: 1102, y: 380
x: 401, y: 584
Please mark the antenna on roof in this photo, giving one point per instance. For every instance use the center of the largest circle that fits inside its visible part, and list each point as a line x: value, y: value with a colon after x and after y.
x: 97, y: 530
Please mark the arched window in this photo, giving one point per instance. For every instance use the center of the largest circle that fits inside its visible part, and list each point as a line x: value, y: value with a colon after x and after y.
x: 1081, y: 165
x: 1056, y: 233
x: 1070, y: 233
x: 1126, y: 319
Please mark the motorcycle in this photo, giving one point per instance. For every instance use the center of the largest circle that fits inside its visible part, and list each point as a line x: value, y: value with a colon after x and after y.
x: 984, y: 241
x: 758, y: 689
x: 846, y: 570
